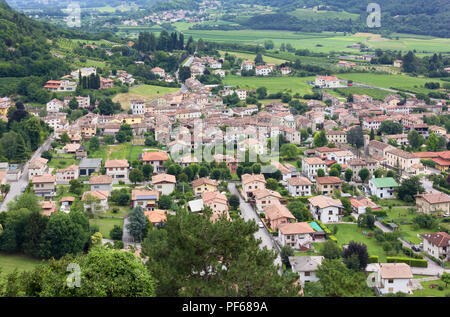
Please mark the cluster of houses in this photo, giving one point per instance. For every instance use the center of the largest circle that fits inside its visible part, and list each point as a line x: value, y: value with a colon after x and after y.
x: 69, y: 83
x: 264, y: 70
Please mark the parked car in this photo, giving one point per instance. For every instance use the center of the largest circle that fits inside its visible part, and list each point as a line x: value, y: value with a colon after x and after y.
x: 260, y: 224
x: 23, y: 189
x: 416, y: 248
x: 447, y: 215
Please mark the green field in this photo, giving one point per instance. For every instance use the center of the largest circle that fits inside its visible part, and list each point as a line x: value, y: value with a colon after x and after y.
x: 267, y: 59
x: 147, y: 92
x: 9, y: 262
x: 373, y: 92
x: 321, y: 15
x: 400, y: 82
x: 320, y: 42
x: 106, y: 224
x: 273, y: 84
x: 350, y: 232
x: 120, y: 152
x: 62, y: 163
x: 433, y: 292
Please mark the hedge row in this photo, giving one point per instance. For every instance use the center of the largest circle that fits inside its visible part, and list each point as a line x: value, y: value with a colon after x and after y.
x: 411, y: 253
x: 303, y: 199
x: 410, y: 261
x: 332, y: 238
x: 379, y: 213
x: 373, y: 259
x: 325, y: 228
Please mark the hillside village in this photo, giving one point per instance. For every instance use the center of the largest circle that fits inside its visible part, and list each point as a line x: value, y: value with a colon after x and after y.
x: 340, y: 168
x: 300, y: 171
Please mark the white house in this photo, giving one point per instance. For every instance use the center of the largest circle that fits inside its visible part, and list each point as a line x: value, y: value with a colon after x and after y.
x: 299, y: 186
x: 297, y: 235
x: 327, y: 82
x: 101, y: 182
x: 64, y: 176
x: 164, y: 183
x: 252, y: 183
x: 137, y: 106
x: 37, y: 167
x: 247, y: 65
x: 341, y: 157
x: 95, y: 200
x: 326, y: 209
x: 383, y: 187
x: 437, y: 245
x: 158, y: 71
x: 262, y: 70
x: 393, y: 278
x: 117, y: 169
x: 241, y: 93
x: 310, y: 165
x: 306, y: 267
x: 55, y: 105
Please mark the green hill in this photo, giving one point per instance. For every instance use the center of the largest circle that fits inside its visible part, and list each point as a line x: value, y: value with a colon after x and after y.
x: 25, y: 46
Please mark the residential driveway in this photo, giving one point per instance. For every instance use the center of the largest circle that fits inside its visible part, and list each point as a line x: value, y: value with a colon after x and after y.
x: 126, y: 236
x: 428, y: 185
x: 248, y: 213
x: 433, y: 268
x: 16, y: 187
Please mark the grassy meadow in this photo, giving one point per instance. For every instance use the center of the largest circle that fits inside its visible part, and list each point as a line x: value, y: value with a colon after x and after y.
x: 273, y: 84
x: 400, y: 82
x: 10, y: 262
x: 142, y: 91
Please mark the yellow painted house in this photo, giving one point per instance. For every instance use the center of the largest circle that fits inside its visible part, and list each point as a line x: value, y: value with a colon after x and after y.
x: 203, y: 185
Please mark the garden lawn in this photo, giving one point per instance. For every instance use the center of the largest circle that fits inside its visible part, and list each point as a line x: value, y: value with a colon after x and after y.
x: 9, y: 262
x: 409, y: 234
x: 146, y: 92
x: 273, y: 84
x: 136, y: 150
x: 350, y: 232
x: 431, y: 292
x: 106, y: 224
x: 62, y: 163
x: 393, y: 202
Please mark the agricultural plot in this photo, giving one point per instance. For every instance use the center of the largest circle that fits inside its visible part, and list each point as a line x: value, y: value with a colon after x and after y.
x: 248, y: 56
x: 147, y: 92
x: 324, y: 42
x: 373, y: 92
x: 400, y: 82
x: 321, y: 15
x: 273, y: 84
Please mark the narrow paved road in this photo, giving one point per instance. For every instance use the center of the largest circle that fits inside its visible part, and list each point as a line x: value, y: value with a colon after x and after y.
x: 16, y: 187
x: 248, y: 213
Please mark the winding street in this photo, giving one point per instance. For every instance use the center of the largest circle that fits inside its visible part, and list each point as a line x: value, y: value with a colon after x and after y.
x: 248, y: 213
